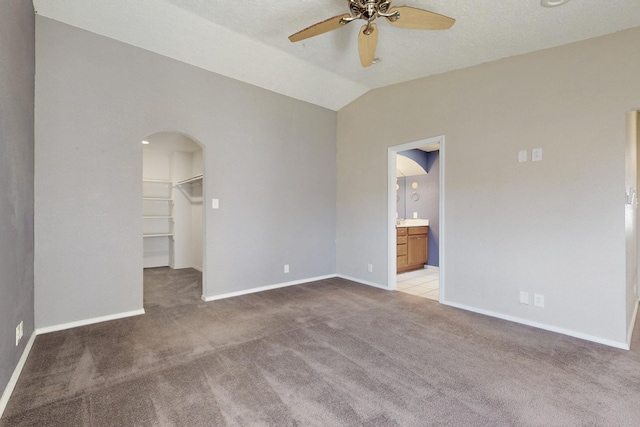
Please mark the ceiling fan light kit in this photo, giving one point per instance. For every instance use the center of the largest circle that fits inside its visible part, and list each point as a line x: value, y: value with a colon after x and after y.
x: 369, y: 10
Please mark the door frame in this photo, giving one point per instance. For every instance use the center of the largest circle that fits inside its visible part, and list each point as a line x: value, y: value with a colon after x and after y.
x: 391, y: 205
x: 204, y: 210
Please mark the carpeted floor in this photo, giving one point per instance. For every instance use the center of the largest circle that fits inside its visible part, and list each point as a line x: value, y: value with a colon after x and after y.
x: 328, y: 353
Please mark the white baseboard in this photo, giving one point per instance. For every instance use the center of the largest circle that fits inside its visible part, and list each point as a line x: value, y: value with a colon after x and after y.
x: 16, y: 373
x: 6, y: 395
x: 587, y: 337
x: 197, y: 268
x: 568, y: 332
x: 91, y: 321
x: 631, y: 326
x: 264, y: 288
x: 363, y: 282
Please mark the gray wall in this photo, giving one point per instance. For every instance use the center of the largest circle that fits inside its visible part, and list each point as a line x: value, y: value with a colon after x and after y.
x: 631, y: 217
x: 17, y: 69
x: 96, y: 98
x: 553, y: 227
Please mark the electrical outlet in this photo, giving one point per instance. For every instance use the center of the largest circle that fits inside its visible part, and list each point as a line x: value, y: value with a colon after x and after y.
x: 415, y: 215
x: 286, y: 268
x: 370, y: 268
x: 524, y: 297
x: 522, y: 156
x: 538, y: 300
x: 536, y: 155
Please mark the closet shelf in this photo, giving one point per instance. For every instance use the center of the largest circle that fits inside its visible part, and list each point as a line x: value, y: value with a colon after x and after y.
x: 157, y: 199
x: 191, y: 180
x: 157, y: 181
x: 158, y: 235
x: 157, y: 217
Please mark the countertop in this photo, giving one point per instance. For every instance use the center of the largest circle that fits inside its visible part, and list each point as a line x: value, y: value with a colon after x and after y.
x: 412, y: 223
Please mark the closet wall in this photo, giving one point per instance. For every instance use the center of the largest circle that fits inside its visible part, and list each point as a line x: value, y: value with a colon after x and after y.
x: 197, y: 212
x: 187, y: 208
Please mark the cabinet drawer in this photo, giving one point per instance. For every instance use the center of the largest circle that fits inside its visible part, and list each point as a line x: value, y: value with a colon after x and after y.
x: 402, y: 231
x: 418, y: 230
x: 401, y: 240
x: 402, y: 261
x: 401, y: 250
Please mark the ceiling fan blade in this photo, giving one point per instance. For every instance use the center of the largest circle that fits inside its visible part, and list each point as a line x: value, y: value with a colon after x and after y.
x: 419, y: 19
x: 320, y: 28
x: 367, y: 44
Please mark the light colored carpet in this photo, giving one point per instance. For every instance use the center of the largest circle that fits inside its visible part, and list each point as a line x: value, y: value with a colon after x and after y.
x: 328, y: 353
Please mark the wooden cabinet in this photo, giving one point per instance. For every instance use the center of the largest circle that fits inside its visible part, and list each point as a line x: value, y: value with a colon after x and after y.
x: 412, y: 248
x: 401, y: 247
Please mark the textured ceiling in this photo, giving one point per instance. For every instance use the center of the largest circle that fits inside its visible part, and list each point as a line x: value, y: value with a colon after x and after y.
x: 247, y: 40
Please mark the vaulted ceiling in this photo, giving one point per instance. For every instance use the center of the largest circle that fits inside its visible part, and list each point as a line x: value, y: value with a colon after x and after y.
x: 247, y: 40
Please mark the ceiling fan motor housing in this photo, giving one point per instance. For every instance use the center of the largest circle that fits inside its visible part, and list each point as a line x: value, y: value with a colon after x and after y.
x: 369, y: 10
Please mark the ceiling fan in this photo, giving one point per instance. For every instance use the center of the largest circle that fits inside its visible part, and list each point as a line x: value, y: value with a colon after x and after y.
x: 401, y: 16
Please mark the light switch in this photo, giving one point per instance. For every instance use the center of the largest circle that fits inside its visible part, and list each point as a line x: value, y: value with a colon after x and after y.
x: 215, y: 203
x: 522, y: 156
x: 536, y: 154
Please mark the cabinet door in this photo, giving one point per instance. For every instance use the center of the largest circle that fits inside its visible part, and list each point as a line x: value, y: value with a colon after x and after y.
x: 402, y: 261
x: 417, y: 250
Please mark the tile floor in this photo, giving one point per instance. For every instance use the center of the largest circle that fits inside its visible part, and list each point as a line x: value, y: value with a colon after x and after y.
x: 423, y: 283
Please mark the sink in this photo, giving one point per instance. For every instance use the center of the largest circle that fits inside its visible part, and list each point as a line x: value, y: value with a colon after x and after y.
x: 412, y: 222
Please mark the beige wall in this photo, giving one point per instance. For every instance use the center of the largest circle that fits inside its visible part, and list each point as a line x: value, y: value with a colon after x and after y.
x: 555, y: 227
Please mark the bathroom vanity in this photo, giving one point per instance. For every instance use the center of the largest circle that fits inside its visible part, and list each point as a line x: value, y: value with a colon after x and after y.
x: 412, y: 246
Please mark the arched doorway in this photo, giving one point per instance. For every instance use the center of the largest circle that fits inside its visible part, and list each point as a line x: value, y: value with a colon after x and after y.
x: 173, y: 218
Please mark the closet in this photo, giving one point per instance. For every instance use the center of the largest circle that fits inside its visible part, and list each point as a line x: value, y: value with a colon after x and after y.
x: 172, y: 190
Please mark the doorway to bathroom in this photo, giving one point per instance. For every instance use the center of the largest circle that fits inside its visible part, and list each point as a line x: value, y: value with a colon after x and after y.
x: 416, y: 195
x: 173, y: 215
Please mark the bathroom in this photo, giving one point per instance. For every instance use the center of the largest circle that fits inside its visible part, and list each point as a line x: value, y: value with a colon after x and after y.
x: 418, y: 200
